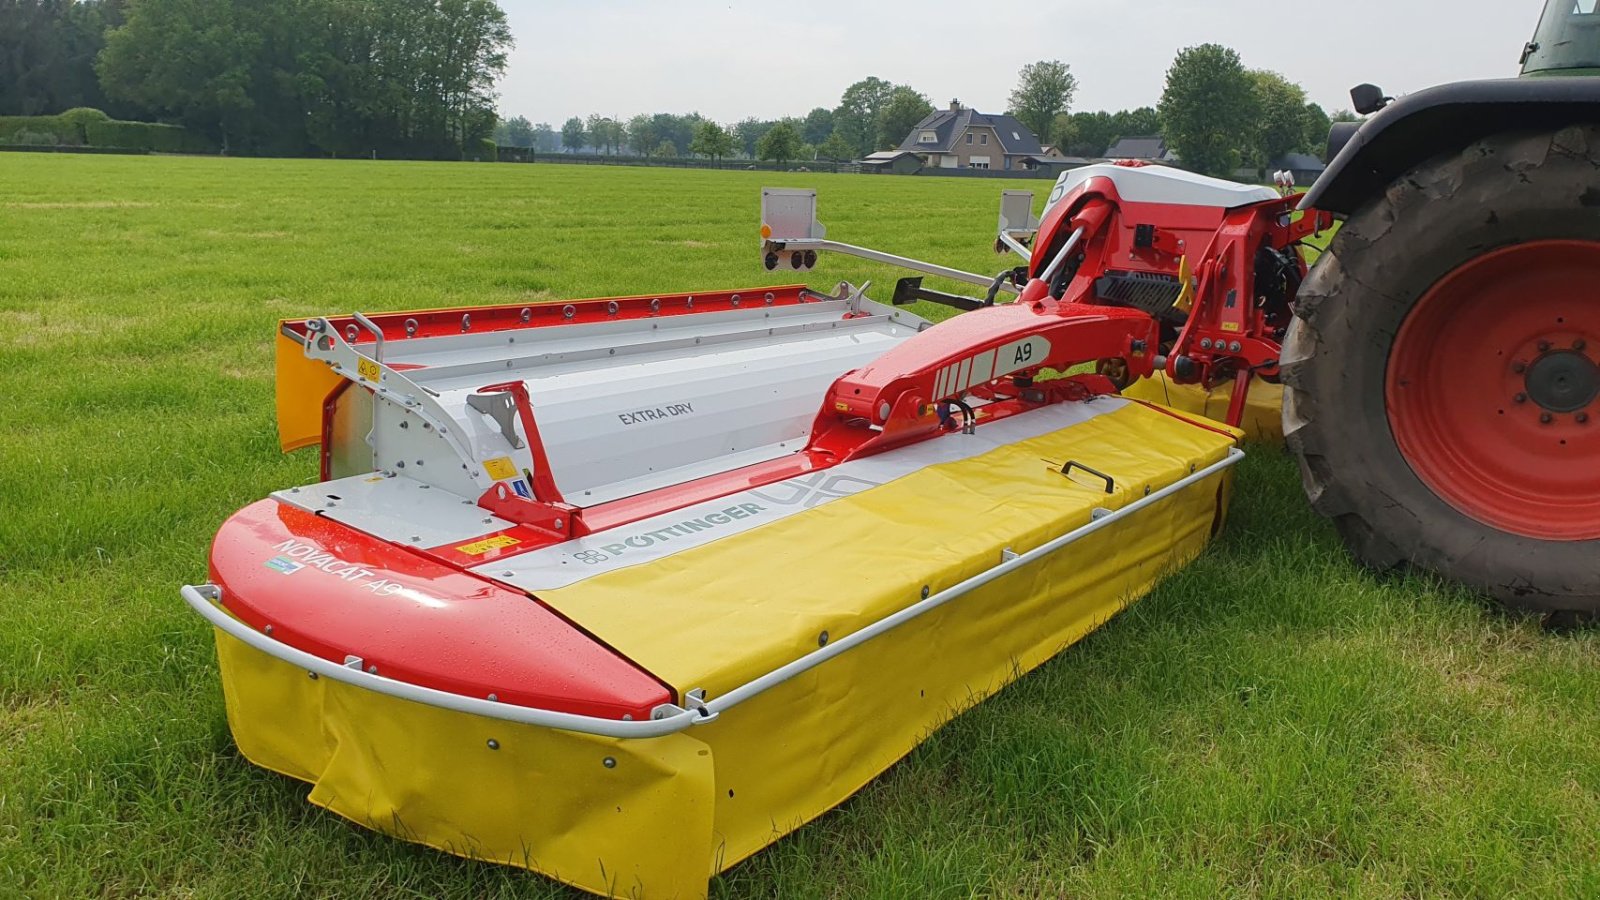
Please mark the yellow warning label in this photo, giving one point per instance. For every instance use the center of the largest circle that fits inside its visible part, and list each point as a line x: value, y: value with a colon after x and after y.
x: 1230, y: 326
x: 369, y: 369
x: 479, y: 548
x: 501, y: 467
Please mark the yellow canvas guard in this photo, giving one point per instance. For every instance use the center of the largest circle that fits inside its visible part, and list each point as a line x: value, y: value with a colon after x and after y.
x: 1263, y: 408
x: 657, y: 817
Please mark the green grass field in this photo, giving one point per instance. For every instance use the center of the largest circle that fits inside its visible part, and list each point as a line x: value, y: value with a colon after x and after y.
x: 1272, y: 721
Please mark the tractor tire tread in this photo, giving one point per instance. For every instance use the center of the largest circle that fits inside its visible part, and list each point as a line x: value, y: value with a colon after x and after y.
x: 1501, y: 190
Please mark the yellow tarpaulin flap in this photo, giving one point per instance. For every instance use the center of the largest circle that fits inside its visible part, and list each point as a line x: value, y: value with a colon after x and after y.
x: 672, y: 811
x: 302, y: 386
x: 1263, y: 407
x: 716, y: 616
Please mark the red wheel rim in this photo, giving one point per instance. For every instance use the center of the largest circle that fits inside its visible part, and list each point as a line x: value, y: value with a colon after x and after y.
x: 1493, y: 389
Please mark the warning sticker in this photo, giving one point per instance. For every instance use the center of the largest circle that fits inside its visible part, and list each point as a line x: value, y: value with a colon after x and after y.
x: 479, y: 548
x: 368, y: 369
x: 500, y: 468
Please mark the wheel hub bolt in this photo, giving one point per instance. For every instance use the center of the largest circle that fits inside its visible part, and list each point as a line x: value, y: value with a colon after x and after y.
x: 1579, y: 344
x: 1521, y: 398
x: 1583, y: 418
x: 1546, y: 418
x: 1519, y: 367
x: 1544, y: 346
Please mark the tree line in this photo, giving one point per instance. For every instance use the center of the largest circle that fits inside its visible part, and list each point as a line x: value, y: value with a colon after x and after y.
x: 1216, y: 114
x: 340, y: 77
x: 872, y: 114
x: 416, y: 78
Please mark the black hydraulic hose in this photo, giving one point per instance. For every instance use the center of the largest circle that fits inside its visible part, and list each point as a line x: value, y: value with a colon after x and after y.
x: 994, y: 287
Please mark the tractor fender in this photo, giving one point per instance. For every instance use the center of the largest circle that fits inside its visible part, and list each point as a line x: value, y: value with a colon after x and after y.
x: 1444, y: 119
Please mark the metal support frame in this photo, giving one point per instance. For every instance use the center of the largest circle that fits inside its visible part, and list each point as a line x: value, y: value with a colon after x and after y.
x: 790, y: 228
x: 904, y: 262
x: 668, y: 718
x: 322, y: 342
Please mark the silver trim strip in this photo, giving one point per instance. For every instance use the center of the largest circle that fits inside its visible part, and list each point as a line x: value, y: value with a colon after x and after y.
x: 205, y: 600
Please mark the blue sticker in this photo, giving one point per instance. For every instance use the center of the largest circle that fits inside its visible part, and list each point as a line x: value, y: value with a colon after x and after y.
x: 283, y: 564
x: 521, y: 487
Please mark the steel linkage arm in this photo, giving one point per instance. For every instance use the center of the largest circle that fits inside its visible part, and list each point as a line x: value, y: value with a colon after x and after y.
x: 995, y: 351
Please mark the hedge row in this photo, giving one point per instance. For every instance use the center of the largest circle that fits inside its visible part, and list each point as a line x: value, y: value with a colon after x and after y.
x: 85, y: 127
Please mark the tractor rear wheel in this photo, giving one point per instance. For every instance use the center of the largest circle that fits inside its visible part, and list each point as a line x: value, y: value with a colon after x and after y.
x: 1443, y: 373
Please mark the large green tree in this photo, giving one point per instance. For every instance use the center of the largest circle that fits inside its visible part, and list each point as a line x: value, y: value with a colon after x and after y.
x: 545, y: 138
x: 1209, y: 108
x: 1282, y: 123
x: 47, y: 53
x: 835, y: 148
x: 749, y: 133
x: 573, y: 135
x: 1044, y: 90
x: 642, y: 135
x: 818, y: 125
x: 856, y: 117
x: 780, y: 144
x: 900, y: 113
x: 606, y: 134
x: 517, y: 131
x: 711, y: 140
x: 1317, y: 126
x: 390, y: 77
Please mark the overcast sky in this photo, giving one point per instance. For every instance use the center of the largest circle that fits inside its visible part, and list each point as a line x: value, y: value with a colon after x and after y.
x: 732, y: 59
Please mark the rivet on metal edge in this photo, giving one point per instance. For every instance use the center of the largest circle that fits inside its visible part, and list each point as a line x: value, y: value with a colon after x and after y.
x: 466, y: 322
x: 609, y: 762
x: 611, y: 308
x: 822, y: 639
x: 769, y: 298
x: 411, y: 327
x: 267, y: 629
x: 350, y: 332
x: 372, y: 669
x: 525, y: 315
x: 312, y: 675
x: 655, y: 305
x: 561, y: 523
x: 494, y: 698
x: 735, y: 299
x: 494, y: 744
x: 925, y: 592
x: 627, y: 717
x: 568, y: 311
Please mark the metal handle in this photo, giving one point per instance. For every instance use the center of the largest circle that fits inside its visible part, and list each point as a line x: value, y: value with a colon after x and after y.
x: 1111, y: 486
x: 377, y: 334
x: 204, y: 599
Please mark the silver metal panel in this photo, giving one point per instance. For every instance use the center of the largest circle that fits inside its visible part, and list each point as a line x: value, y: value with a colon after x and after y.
x: 622, y: 406
x: 791, y: 214
x: 1016, y: 214
x: 397, y: 509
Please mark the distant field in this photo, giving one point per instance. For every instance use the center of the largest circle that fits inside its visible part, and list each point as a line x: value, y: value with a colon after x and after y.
x: 1271, y: 722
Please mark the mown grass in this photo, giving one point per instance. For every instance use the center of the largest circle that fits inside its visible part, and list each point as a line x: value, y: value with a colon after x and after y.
x: 1272, y: 721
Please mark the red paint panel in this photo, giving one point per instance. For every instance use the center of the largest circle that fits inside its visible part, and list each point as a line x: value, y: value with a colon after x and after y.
x: 331, y: 591
x: 438, y: 322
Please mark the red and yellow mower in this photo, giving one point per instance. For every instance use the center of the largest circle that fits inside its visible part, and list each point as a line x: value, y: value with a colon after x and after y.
x: 624, y: 590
